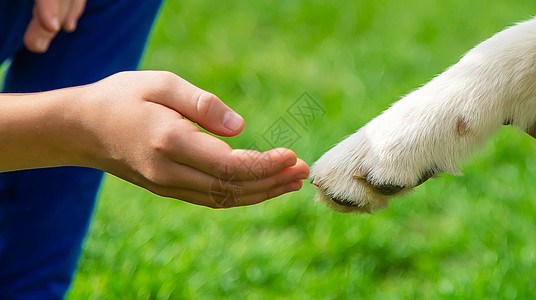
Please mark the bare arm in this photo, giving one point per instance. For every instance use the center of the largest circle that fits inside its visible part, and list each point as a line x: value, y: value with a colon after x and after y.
x: 35, y: 131
x: 132, y: 125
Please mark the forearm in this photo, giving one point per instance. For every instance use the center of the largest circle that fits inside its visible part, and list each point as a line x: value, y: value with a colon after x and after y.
x: 133, y: 125
x: 40, y: 130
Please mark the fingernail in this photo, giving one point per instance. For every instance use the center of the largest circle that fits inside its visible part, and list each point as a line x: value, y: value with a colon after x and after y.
x: 290, y: 162
x: 232, y: 120
x: 71, y: 26
x: 74, y: 25
x: 302, y: 176
x: 55, y: 22
x: 42, y: 44
x: 294, y: 186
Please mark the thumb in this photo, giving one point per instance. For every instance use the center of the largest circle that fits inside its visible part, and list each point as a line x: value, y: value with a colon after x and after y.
x: 48, y: 14
x: 199, y: 106
x: 213, y: 115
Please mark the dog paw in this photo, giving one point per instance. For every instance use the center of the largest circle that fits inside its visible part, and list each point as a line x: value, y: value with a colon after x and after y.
x: 432, y: 129
x: 397, y: 151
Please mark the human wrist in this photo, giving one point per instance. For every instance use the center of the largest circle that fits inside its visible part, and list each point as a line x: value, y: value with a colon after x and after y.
x: 82, y: 116
x: 36, y: 131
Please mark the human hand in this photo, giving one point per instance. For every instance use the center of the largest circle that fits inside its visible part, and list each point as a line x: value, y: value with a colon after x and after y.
x: 136, y: 129
x: 49, y: 17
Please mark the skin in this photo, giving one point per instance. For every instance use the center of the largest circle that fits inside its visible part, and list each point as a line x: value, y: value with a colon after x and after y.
x: 133, y: 125
x: 49, y: 17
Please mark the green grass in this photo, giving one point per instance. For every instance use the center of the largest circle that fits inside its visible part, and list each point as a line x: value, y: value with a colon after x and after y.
x: 455, y: 237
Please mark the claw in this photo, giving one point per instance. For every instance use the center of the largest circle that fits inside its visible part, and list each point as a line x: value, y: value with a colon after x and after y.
x: 314, y: 183
x: 360, y: 207
x: 387, y: 189
x: 343, y: 202
x: 425, y: 176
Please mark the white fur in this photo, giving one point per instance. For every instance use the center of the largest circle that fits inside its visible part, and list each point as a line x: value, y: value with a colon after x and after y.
x: 438, y: 125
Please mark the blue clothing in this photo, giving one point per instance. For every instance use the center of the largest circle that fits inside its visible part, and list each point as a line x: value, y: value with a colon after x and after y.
x: 44, y: 214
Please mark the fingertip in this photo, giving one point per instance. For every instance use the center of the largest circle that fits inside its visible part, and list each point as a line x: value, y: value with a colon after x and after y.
x: 39, y: 45
x: 286, y: 154
x: 35, y: 41
x: 294, y: 186
x: 75, y: 13
x: 209, y: 112
x: 285, y: 150
x: 233, y: 122
x: 304, y: 167
x: 54, y: 24
x: 70, y: 26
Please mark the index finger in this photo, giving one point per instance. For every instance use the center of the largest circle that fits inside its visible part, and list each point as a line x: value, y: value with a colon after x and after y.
x: 48, y: 14
x: 215, y: 157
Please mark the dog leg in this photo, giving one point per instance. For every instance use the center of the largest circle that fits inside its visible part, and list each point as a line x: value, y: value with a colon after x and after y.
x: 432, y: 129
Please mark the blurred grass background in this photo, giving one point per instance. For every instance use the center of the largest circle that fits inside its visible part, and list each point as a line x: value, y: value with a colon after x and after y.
x: 455, y: 237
